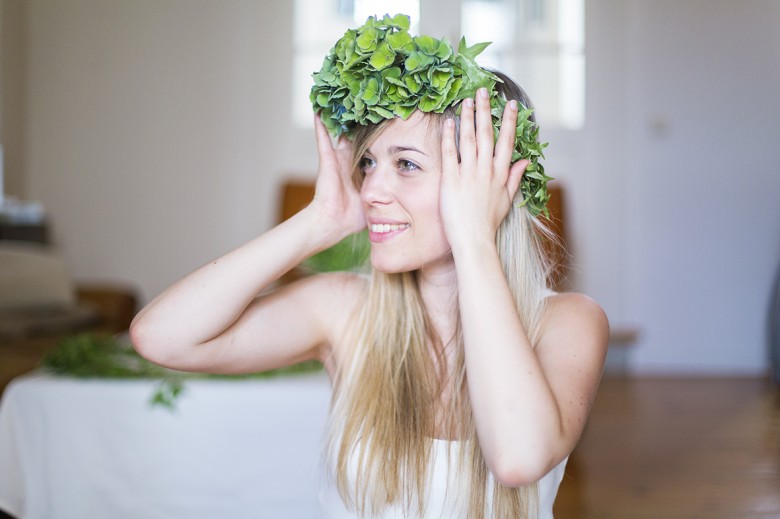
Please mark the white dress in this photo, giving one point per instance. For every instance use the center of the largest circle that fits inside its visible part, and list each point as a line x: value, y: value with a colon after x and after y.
x: 442, y: 503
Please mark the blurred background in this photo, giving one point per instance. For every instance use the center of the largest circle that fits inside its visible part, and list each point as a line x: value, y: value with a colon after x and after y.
x: 142, y: 138
x: 155, y: 135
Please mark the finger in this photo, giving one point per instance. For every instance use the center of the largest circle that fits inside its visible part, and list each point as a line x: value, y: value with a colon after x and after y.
x: 468, y: 146
x: 449, y: 150
x: 506, y: 137
x: 324, y: 145
x: 484, y: 131
x: 343, y: 146
x: 515, y: 176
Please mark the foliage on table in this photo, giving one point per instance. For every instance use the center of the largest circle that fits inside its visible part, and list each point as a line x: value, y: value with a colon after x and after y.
x: 104, y: 356
x: 350, y: 254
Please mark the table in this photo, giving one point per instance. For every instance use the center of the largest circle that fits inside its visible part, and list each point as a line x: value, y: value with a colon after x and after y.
x: 96, y: 449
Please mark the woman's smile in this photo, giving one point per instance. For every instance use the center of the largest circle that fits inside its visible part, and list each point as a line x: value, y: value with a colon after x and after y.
x: 382, y: 231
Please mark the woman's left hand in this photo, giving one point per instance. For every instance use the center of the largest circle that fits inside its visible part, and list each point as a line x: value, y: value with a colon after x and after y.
x: 477, y: 192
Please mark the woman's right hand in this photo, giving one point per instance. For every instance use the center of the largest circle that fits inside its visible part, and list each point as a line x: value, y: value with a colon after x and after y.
x: 336, y: 201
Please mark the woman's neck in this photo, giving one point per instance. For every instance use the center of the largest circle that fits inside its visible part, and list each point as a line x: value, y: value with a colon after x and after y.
x: 439, y: 291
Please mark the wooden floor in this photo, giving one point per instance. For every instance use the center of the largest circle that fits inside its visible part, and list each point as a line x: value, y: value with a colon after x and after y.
x: 677, y: 448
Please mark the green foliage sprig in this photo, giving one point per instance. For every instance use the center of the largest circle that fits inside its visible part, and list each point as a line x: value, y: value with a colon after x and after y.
x: 379, y: 71
x: 104, y: 356
x: 350, y: 254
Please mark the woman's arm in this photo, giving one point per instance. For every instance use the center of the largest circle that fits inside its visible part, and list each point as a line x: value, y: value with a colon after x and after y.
x: 529, y: 403
x: 213, y: 319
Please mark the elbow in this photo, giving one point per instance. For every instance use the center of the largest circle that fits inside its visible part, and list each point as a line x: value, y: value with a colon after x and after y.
x: 138, y: 338
x: 146, y: 344
x: 516, y: 477
x: 516, y: 471
x: 160, y: 344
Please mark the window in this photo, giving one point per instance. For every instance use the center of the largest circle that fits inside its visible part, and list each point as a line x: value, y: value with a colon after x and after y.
x: 539, y: 43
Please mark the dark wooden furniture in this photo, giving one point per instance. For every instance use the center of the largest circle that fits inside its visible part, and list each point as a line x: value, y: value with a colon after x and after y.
x: 101, y: 308
x: 38, y: 233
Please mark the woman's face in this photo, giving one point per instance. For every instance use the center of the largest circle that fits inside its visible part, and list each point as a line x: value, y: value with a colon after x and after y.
x: 400, y: 193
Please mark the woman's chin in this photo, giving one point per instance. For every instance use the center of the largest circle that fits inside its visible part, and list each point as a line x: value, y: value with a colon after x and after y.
x: 397, y: 264
x: 389, y: 266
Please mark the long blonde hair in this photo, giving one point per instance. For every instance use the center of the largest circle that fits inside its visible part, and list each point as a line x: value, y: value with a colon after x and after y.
x: 389, y: 384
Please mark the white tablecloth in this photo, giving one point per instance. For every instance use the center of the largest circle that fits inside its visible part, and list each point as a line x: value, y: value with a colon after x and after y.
x: 86, y: 449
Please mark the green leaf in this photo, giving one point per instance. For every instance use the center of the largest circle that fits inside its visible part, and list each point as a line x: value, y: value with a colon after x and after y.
x: 381, y: 111
x: 412, y: 84
x: 382, y: 57
x: 440, y: 78
x: 426, y: 44
x: 417, y: 61
x: 393, y: 75
x: 431, y: 102
x: 400, y: 41
x: 371, y: 92
x: 403, y: 111
x: 105, y: 356
x: 444, y: 50
x: 453, y: 92
x: 473, y: 51
x: 327, y: 76
x: 367, y: 40
x: 401, y: 21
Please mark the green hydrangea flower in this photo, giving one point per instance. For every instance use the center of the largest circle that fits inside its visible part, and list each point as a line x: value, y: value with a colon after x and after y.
x: 379, y: 71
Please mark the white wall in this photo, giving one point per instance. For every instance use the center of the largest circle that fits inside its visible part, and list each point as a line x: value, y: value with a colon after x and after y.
x: 12, y: 94
x: 151, y: 129
x: 157, y: 133
x: 703, y: 192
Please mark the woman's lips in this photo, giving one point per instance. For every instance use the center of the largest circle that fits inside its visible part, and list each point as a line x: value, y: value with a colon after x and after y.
x: 382, y: 231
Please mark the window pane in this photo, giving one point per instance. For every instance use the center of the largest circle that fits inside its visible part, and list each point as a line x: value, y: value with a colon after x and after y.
x: 317, y: 26
x: 540, y: 44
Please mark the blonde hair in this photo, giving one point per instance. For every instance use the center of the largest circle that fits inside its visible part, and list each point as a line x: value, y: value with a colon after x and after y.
x: 388, y: 387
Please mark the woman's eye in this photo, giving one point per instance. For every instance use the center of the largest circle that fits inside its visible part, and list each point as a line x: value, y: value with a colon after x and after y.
x: 407, y: 165
x: 366, y: 163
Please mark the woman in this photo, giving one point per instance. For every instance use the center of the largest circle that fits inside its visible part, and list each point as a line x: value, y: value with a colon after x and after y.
x: 461, y: 383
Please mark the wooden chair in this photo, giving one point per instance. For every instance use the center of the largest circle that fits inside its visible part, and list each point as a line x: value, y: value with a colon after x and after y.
x: 298, y: 193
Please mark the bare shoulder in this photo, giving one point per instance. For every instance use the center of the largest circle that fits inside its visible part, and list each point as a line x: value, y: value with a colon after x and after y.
x: 573, y: 306
x: 342, y: 287
x: 333, y: 298
x: 330, y: 293
x: 574, y: 320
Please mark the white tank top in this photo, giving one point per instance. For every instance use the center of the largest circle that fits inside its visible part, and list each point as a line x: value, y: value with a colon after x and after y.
x: 442, y: 491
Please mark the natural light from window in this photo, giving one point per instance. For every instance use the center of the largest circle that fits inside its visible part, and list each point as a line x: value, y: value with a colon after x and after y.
x: 539, y: 43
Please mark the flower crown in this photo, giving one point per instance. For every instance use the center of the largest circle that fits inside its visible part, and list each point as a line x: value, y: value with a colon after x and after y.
x: 379, y: 71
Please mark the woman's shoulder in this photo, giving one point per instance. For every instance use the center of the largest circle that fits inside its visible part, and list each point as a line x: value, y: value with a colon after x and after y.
x: 336, y: 285
x: 328, y: 294
x: 572, y: 301
x: 336, y: 298
x: 574, y: 313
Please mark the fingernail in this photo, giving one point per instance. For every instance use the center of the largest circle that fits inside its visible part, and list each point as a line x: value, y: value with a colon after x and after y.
x: 469, y: 102
x: 513, y: 104
x: 482, y: 92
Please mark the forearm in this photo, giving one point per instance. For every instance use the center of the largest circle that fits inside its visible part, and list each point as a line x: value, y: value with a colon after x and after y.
x: 202, y: 305
x: 514, y: 408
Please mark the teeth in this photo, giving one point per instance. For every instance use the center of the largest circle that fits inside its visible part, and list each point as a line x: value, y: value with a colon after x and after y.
x: 387, y: 227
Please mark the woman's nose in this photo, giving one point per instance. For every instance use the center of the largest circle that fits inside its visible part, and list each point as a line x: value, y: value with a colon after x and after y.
x: 376, y: 188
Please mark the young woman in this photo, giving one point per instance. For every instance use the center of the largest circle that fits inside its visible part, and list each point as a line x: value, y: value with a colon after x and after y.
x: 461, y: 382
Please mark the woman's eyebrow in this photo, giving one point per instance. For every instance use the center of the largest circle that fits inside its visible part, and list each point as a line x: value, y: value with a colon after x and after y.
x: 392, y: 150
